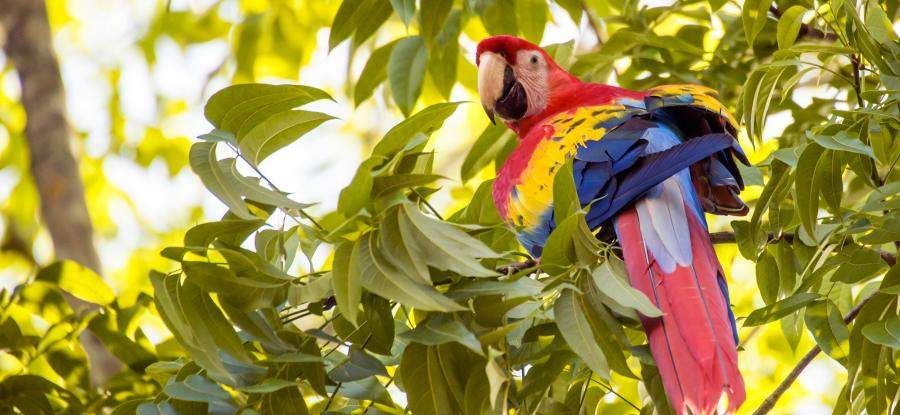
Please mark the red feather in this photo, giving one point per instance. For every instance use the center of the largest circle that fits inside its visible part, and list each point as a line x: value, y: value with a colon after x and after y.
x: 692, y: 343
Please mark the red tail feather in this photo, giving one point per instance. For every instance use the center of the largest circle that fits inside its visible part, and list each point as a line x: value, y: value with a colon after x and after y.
x: 692, y: 343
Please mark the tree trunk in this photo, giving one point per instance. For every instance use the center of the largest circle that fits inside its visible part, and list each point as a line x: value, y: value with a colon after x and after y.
x: 53, y: 166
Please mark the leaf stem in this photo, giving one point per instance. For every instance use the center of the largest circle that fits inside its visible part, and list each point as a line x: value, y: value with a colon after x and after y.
x: 609, y: 389
x: 424, y: 200
x: 275, y: 188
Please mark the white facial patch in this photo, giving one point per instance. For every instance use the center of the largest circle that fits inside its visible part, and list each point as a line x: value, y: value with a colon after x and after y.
x: 531, y: 71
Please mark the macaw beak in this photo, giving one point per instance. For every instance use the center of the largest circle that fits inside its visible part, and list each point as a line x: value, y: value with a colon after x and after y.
x: 498, y: 88
x: 491, y: 69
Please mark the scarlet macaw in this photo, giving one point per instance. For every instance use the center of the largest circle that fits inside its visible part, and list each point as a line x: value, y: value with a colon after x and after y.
x: 647, y: 165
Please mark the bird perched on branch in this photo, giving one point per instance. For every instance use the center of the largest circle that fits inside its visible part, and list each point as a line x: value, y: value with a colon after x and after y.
x: 647, y: 165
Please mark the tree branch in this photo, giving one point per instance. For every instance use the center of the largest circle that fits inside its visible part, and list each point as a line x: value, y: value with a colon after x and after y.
x: 772, y: 399
x: 53, y: 166
x: 805, y: 29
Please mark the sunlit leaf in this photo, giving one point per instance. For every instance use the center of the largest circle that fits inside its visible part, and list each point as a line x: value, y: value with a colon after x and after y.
x: 77, y: 280
x: 406, y: 71
x: 278, y: 131
x: 374, y: 73
x: 779, y: 309
x: 789, y: 26
x: 440, y: 330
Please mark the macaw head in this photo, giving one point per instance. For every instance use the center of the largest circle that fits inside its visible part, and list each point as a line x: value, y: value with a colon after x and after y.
x: 515, y: 77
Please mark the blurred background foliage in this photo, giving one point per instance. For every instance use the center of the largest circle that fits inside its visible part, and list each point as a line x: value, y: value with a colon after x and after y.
x: 254, y: 304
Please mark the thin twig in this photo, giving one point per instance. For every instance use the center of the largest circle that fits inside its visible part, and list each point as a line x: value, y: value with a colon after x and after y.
x: 275, y: 188
x: 424, y: 200
x: 770, y: 401
x: 611, y: 390
x: 338, y: 387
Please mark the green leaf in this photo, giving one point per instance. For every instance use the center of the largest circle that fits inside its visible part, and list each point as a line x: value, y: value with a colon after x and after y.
x: 369, y: 389
x: 204, y: 163
x: 886, y: 232
x: 443, y: 245
x: 863, y: 264
x: 444, y: 55
x: 425, y: 121
x: 486, y: 147
x: 807, y: 193
x: 426, y: 388
x: 789, y: 26
x: 406, y: 71
x: 827, y: 326
x: 767, y: 277
x: 201, y: 328
x: 828, y: 180
x: 356, y: 196
x: 499, y: 17
x: 891, y: 282
x: 612, y: 281
x: 245, y: 293
x: 268, y: 386
x: 239, y: 108
x: 496, y: 378
x: 374, y: 73
x: 345, y: 280
x: 442, y: 329
x: 375, y: 13
x: 233, y: 231
x: 779, y: 309
x: 570, y: 243
x: 399, y: 251
x: 432, y: 15
x: 283, y: 401
x: 607, y: 329
x: 754, y: 15
x: 345, y: 21
x: 383, y: 185
x: 406, y: 9
x: 359, y: 365
x: 278, y: 131
x: 196, y: 388
x: 879, y: 26
x: 522, y: 287
x: 532, y: 19
x: 381, y: 278
x: 77, y: 280
x: 217, y: 135
x: 576, y: 330
x: 885, y: 333
x: 842, y: 142
x: 565, y: 197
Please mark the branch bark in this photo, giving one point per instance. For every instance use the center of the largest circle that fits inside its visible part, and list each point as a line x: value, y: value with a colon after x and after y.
x: 54, y: 168
x: 805, y: 29
x: 772, y: 399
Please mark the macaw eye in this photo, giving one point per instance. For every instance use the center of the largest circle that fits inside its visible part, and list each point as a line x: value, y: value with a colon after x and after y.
x: 534, y: 59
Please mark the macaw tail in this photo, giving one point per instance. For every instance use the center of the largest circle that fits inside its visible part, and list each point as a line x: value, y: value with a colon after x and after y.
x: 670, y: 258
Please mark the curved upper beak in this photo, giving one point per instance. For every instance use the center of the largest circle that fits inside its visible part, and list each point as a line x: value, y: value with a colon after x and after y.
x: 491, y: 70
